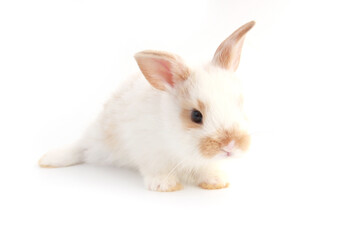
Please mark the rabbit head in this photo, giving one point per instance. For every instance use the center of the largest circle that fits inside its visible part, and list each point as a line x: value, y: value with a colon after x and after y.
x: 203, y: 106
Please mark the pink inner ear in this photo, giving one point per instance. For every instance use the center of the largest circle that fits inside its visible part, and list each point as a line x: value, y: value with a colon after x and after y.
x: 165, y: 71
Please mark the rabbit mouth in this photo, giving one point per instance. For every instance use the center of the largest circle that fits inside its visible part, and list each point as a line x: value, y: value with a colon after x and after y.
x: 226, y: 153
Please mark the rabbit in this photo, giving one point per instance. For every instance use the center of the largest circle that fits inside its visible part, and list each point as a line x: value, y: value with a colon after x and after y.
x: 172, y: 123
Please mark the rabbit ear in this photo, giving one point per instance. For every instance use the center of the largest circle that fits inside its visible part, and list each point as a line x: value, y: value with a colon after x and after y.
x: 228, y: 53
x: 162, y: 69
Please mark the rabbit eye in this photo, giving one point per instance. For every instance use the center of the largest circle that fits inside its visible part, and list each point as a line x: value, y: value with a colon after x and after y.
x: 196, y: 116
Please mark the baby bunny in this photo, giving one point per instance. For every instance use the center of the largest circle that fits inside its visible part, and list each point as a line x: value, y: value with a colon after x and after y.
x: 175, y: 127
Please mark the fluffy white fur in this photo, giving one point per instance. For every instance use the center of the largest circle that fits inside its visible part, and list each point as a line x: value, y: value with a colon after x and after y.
x: 141, y: 127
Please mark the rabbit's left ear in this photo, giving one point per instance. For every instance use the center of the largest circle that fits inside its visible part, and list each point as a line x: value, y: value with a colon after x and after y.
x: 161, y: 69
x: 227, y: 55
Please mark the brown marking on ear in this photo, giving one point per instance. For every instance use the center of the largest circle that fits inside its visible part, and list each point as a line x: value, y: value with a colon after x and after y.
x: 227, y: 55
x: 186, y: 111
x: 212, y: 145
x: 182, y: 72
x: 160, y: 68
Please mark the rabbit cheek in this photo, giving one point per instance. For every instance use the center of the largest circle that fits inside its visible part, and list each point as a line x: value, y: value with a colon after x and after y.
x: 243, y: 141
x: 209, y: 147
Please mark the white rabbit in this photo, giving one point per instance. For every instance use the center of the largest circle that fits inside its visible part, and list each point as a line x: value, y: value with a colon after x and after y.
x: 175, y: 127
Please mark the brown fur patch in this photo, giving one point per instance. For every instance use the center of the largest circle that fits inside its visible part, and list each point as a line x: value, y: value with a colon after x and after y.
x: 212, y: 145
x: 186, y: 119
x: 187, y: 108
x: 243, y: 141
x: 201, y: 107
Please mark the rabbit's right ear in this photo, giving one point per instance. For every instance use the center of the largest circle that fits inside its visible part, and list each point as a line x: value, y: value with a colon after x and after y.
x: 227, y: 55
x: 162, y: 69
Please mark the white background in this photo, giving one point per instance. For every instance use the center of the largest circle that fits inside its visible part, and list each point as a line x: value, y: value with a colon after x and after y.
x: 60, y: 60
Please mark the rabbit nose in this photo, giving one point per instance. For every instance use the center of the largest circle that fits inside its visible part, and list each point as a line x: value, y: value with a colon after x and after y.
x: 229, y: 147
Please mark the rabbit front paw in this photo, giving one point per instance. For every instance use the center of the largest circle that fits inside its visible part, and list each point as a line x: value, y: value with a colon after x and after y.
x: 213, y: 180
x: 213, y: 186
x: 162, y: 184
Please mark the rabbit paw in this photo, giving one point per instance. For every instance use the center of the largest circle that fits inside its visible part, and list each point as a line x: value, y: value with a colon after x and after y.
x: 213, y: 186
x: 162, y: 184
x: 212, y: 181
